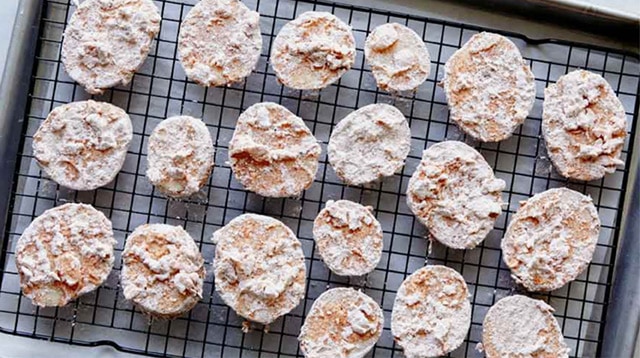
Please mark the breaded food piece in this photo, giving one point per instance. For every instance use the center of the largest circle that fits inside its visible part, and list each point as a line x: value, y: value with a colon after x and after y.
x: 272, y: 152
x: 490, y: 88
x: 584, y: 126
x: 455, y: 194
x: 342, y: 323
x: 83, y: 145
x: 432, y: 313
x: 370, y: 143
x: 162, y: 270
x: 348, y: 238
x: 180, y: 156
x: 259, y: 267
x: 551, y: 239
x: 219, y: 42
x: 518, y: 327
x: 398, y: 57
x: 106, y: 41
x: 64, y: 253
x: 313, y: 51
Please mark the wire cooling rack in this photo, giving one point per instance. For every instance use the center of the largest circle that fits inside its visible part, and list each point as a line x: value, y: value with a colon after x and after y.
x: 211, y: 329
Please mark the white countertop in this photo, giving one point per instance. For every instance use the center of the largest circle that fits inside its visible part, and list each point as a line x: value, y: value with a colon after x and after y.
x: 7, y: 17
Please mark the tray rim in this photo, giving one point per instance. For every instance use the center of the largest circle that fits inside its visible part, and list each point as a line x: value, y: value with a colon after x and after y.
x: 15, y: 101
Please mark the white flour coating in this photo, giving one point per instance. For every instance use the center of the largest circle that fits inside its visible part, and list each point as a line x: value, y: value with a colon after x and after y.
x: 342, y: 323
x: 219, y: 42
x: 313, y: 51
x: 259, y: 267
x: 489, y: 87
x: 584, y: 126
x: 348, y: 238
x: 551, y: 239
x: 455, y: 194
x: 180, y: 156
x: 272, y: 152
x: 162, y: 270
x: 521, y: 327
x: 432, y: 313
x: 106, y: 41
x: 83, y: 145
x: 64, y: 253
x: 398, y: 57
x: 370, y: 143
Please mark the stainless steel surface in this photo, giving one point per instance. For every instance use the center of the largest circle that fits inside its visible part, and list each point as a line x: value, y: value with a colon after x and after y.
x: 622, y: 330
x: 612, y: 9
x: 13, y: 93
x: 530, y: 18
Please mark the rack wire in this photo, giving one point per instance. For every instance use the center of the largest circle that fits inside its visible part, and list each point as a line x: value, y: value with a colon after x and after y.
x: 211, y: 329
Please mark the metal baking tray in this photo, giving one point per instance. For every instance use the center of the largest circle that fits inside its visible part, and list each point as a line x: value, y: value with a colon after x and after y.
x: 594, y: 323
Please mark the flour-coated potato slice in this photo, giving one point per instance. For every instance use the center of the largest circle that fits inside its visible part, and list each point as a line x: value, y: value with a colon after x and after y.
x: 259, y: 267
x: 272, y: 152
x: 431, y: 313
x: 106, y: 41
x: 455, y: 194
x: 313, y: 51
x: 519, y: 326
x: 369, y: 143
x: 348, y: 238
x: 490, y: 88
x: 64, y: 253
x: 551, y: 239
x: 219, y: 42
x: 584, y: 126
x: 398, y: 57
x: 162, y: 270
x: 342, y: 323
x: 180, y: 156
x: 83, y: 145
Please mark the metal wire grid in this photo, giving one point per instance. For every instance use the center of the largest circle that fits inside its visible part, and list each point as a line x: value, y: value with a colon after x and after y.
x: 211, y: 329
